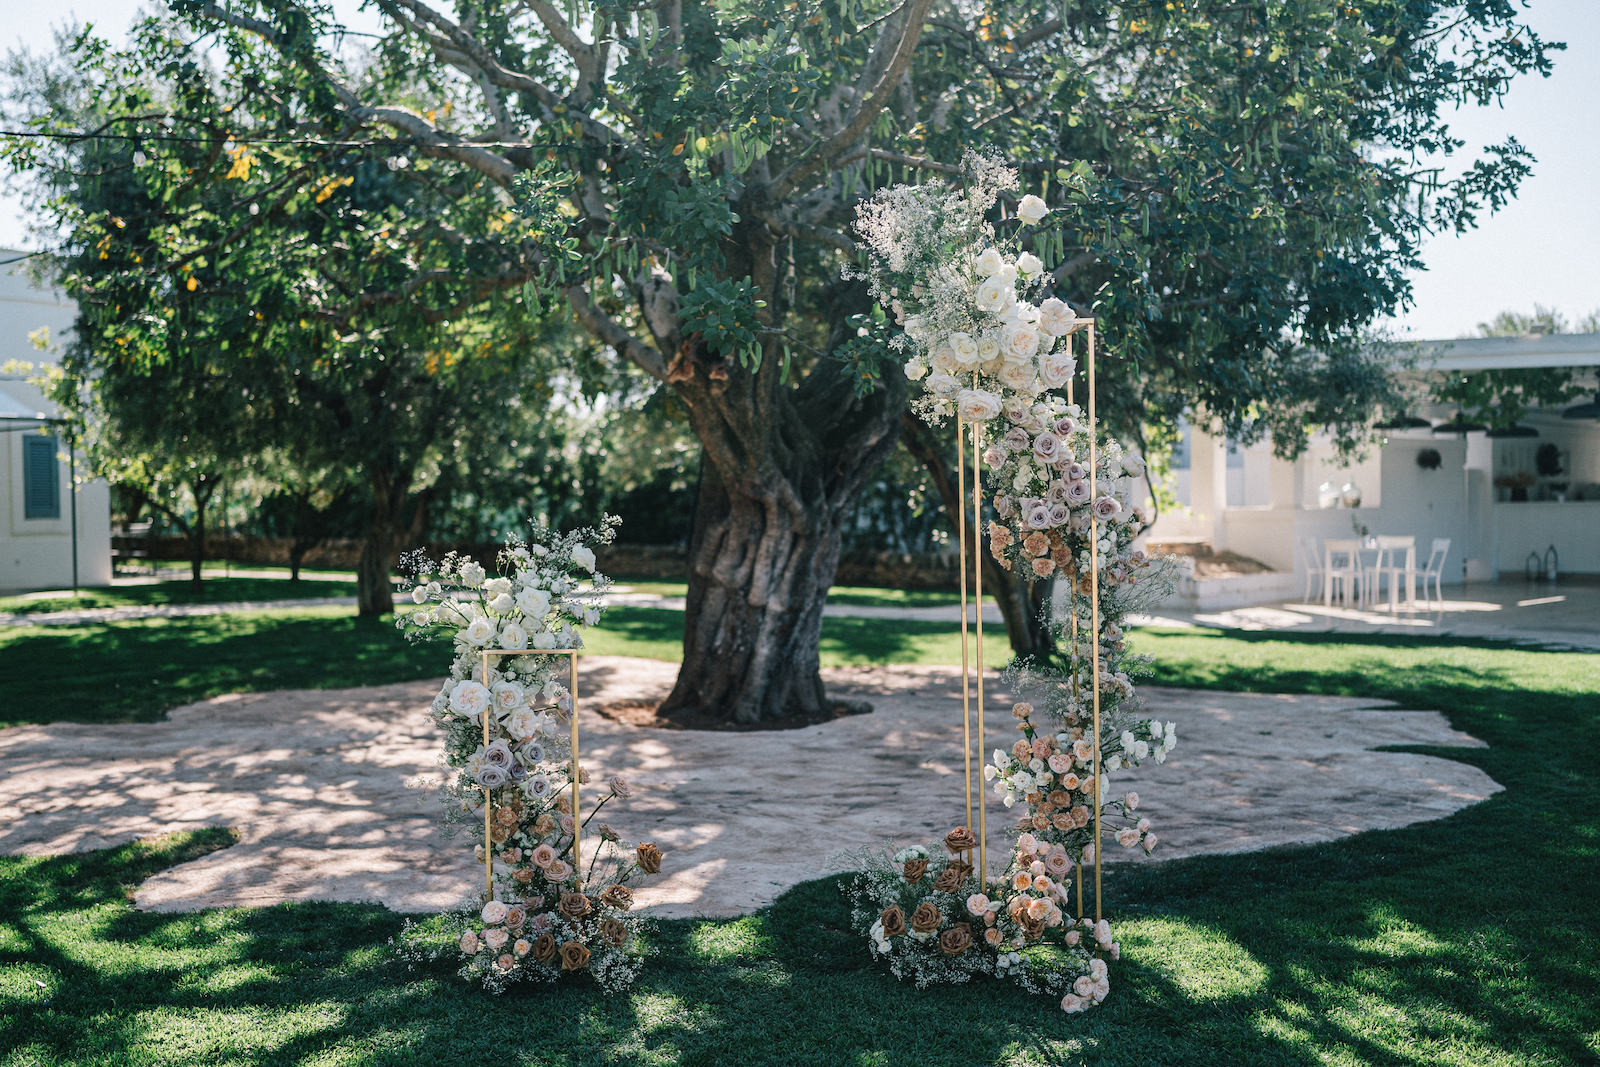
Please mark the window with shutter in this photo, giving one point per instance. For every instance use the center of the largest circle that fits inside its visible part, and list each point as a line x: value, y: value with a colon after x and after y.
x: 41, y: 478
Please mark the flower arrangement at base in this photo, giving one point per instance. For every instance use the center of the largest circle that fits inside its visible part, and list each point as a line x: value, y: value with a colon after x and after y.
x: 546, y: 919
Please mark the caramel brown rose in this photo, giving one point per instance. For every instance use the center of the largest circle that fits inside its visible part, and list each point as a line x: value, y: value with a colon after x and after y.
x: 893, y: 920
x: 617, y: 896
x: 956, y: 940
x: 544, y: 824
x: 1033, y: 928
x: 1043, y: 567
x: 500, y: 835
x: 926, y: 919
x: 544, y: 948
x: 564, y: 804
x: 574, y: 956
x: 915, y: 868
x: 649, y: 857
x: 1021, y: 711
x: 523, y: 875
x: 574, y: 905
x: 515, y: 917
x: 960, y: 839
x: 505, y: 817
x: 614, y: 931
x: 949, y: 879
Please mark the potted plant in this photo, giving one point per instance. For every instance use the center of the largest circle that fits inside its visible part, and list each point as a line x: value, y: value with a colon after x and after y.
x: 1517, y: 483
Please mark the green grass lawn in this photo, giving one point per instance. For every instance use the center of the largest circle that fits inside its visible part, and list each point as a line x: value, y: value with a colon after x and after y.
x: 1469, y: 941
x: 214, y: 590
x: 138, y: 669
x: 855, y: 595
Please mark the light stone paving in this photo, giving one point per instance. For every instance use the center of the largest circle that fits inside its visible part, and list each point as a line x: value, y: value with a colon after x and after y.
x: 318, y: 783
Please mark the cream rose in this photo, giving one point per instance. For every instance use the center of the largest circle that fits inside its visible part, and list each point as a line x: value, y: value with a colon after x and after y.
x: 1029, y: 264
x: 468, y: 699
x: 1056, y: 317
x: 1021, y: 342
x: 988, y: 263
x: 1032, y: 210
x: 976, y: 405
x: 964, y: 348
x: 995, y: 294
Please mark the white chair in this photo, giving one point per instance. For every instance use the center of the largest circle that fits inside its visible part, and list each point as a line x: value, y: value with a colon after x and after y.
x: 1388, y: 566
x: 1341, y: 565
x: 1434, y: 570
x: 1311, y: 560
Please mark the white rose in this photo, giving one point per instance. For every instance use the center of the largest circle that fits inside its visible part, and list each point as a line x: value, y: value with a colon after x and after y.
x: 976, y: 405
x: 479, y: 632
x: 1021, y: 342
x: 471, y: 575
x: 583, y: 556
x: 1029, y: 264
x: 1023, y: 311
x: 943, y: 385
x: 502, y: 604
x: 915, y: 327
x: 1133, y: 465
x: 524, y: 722
x: 988, y: 263
x: 591, y: 616
x: 1056, y: 368
x: 544, y: 640
x: 1008, y: 274
x: 1056, y: 316
x: 965, y: 348
x: 988, y: 347
x: 995, y: 294
x: 469, y: 699
x: 419, y: 595
x: 513, y: 638
x: 496, y: 586
x: 509, y: 695
x: 1032, y: 210
x: 915, y: 369
x: 534, y: 602
x: 1018, y: 376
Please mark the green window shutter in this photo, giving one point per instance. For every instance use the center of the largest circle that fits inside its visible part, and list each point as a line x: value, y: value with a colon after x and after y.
x: 41, y: 478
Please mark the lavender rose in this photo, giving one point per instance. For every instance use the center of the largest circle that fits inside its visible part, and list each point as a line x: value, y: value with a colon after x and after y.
x: 1107, y: 507
x: 1039, y: 517
x: 1077, y: 492
x: 1047, y: 446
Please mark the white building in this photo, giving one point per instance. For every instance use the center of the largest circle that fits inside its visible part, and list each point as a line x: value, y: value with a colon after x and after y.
x: 1279, y: 512
x: 38, y: 508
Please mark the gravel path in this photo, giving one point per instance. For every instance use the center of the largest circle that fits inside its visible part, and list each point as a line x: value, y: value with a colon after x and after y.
x: 327, y: 787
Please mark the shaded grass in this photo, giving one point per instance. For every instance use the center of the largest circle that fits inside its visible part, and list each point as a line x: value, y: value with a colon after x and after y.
x: 855, y: 595
x: 137, y: 670
x: 211, y: 591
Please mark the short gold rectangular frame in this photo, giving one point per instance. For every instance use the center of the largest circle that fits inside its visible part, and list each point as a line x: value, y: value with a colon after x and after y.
x: 488, y: 805
x: 974, y: 548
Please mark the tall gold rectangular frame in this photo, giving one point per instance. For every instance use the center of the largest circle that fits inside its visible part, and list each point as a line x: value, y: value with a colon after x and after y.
x: 973, y: 549
x: 488, y: 804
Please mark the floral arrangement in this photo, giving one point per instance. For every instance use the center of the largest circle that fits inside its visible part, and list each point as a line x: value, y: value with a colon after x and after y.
x: 986, y: 339
x: 964, y: 296
x: 545, y: 918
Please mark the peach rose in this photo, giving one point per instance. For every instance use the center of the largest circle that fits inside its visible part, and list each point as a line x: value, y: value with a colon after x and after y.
x: 1059, y: 798
x: 649, y: 857
x: 469, y: 943
x: 1041, y: 747
x: 564, y: 804
x: 893, y: 920
x: 617, y: 896
x: 1083, y: 750
x: 496, y: 939
x: 1080, y: 815
x: 1021, y: 710
x: 956, y: 940
x: 574, y: 956
x: 544, y: 948
x: 520, y: 949
x: 574, y: 905
x: 1060, y: 762
x: 1021, y: 881
x: 1071, y: 781
x: 1021, y: 749
x: 914, y: 869
x: 926, y: 919
x: 505, y: 962
x: 992, y: 935
x: 960, y: 839
x: 1043, y: 567
x: 1128, y: 838
x: 614, y: 930
x: 977, y: 904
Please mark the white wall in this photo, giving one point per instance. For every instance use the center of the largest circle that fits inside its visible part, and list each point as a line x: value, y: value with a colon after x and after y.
x: 37, y: 553
x: 1573, y: 528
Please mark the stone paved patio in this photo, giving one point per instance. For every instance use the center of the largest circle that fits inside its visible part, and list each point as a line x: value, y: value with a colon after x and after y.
x: 316, y: 783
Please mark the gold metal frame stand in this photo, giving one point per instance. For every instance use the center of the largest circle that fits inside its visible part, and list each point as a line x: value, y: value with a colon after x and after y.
x: 488, y: 803
x: 971, y: 538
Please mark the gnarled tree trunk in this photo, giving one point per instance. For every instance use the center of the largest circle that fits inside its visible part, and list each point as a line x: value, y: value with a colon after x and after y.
x: 374, y: 594
x: 781, y: 468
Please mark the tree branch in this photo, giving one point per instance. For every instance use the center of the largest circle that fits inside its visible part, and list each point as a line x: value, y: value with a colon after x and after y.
x: 613, y: 333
